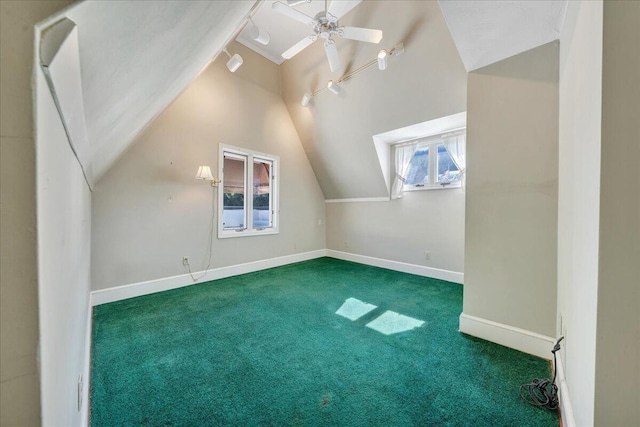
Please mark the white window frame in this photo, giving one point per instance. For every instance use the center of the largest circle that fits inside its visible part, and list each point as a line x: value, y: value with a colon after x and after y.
x: 249, y: 230
x: 432, y: 143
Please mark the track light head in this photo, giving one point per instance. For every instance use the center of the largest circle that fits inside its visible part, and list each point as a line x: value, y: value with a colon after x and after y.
x: 259, y: 35
x: 383, y: 56
x: 305, y: 99
x: 333, y: 87
x: 234, y: 63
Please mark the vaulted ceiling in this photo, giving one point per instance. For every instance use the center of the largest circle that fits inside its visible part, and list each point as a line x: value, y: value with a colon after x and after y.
x: 137, y: 56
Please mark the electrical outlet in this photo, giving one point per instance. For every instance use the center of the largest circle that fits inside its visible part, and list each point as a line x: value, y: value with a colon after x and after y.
x: 319, y: 222
x: 295, y: 246
x: 185, y: 260
x: 427, y: 255
x: 346, y: 244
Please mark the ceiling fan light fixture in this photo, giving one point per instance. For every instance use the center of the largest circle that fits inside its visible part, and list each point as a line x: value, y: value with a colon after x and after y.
x: 305, y: 99
x: 333, y: 87
x: 383, y: 56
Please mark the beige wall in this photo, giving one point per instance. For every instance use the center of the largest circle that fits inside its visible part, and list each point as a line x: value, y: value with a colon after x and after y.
x: 427, y: 82
x: 404, y: 229
x: 580, y: 100
x: 20, y: 400
x: 511, y: 204
x: 149, y: 211
x: 617, y: 376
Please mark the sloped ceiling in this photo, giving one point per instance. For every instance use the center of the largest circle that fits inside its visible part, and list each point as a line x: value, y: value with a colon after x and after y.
x: 428, y: 81
x: 137, y: 56
x: 490, y: 31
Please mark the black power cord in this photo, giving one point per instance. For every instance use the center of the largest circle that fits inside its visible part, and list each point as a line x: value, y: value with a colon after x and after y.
x: 543, y: 393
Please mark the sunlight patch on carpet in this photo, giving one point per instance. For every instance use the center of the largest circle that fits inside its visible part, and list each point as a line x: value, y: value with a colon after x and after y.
x: 390, y: 323
x: 353, y: 309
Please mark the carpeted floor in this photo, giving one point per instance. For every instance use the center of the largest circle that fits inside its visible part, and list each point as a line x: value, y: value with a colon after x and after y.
x: 268, y: 349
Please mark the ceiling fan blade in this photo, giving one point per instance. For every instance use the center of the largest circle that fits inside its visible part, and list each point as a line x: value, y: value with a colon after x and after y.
x: 292, y: 13
x: 298, y: 47
x: 361, y: 34
x: 332, y: 55
x: 339, y: 8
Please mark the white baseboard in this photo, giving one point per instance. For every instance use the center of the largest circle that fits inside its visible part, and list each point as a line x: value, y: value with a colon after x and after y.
x: 566, y: 410
x: 118, y: 293
x: 419, y: 270
x: 86, y: 375
x: 509, y: 336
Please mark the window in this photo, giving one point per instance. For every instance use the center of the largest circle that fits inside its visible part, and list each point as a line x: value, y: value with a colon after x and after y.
x: 248, y: 193
x: 433, y: 162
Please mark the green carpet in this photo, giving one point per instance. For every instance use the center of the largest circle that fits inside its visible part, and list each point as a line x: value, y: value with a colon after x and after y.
x: 267, y: 349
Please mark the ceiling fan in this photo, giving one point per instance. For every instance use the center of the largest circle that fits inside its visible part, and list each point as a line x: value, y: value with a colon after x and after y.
x: 325, y: 26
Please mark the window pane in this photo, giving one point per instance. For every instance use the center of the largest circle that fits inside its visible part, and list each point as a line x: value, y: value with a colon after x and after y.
x: 262, y: 210
x: 447, y: 169
x: 233, y: 213
x: 419, y: 169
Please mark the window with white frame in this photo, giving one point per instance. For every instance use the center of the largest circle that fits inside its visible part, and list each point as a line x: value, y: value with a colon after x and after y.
x: 248, y: 195
x: 437, y: 161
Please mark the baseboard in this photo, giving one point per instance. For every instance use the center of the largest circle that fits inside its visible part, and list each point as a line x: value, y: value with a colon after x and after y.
x: 118, y: 293
x: 420, y: 270
x: 86, y: 375
x: 509, y: 336
x: 566, y: 410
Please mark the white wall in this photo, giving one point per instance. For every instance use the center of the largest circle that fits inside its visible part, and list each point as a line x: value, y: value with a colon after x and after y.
x: 511, y: 205
x: 580, y: 100
x: 617, y: 356
x: 20, y: 382
x: 64, y: 254
x: 149, y: 211
x: 404, y: 229
x: 427, y: 82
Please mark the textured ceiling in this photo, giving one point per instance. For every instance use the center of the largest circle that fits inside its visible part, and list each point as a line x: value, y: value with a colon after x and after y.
x: 137, y: 56
x: 489, y: 31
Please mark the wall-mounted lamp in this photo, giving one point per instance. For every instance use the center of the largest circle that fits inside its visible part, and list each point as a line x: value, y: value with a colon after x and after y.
x: 234, y: 61
x: 258, y: 34
x: 382, y: 59
x: 333, y: 87
x: 305, y: 99
x: 204, y: 174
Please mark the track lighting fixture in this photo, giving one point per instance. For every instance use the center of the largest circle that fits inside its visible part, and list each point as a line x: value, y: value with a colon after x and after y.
x: 234, y: 61
x: 305, y: 99
x: 382, y: 59
x: 333, y: 87
x: 258, y: 34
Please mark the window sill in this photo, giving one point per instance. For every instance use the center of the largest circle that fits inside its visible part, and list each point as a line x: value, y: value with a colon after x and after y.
x: 228, y: 234
x: 433, y: 187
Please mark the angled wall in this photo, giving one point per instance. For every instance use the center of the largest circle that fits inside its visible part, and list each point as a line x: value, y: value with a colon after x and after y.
x: 149, y: 211
x: 19, y: 382
x: 512, y: 181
